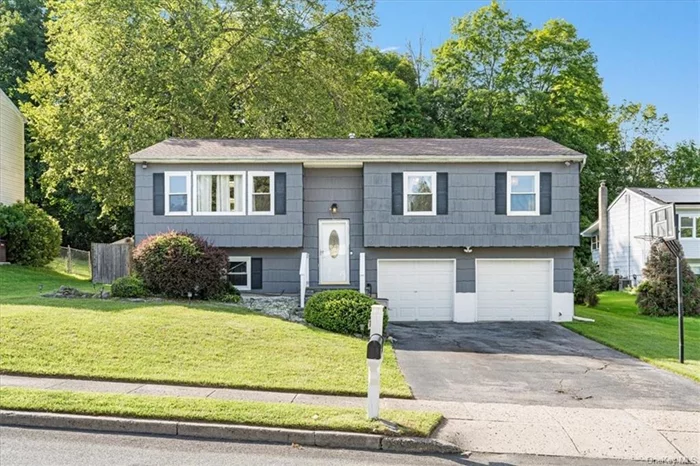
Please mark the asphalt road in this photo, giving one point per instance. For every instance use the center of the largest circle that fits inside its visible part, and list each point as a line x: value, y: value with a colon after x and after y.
x: 58, y: 448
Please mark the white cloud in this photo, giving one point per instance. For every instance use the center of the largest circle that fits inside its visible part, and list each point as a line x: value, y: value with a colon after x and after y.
x: 393, y: 48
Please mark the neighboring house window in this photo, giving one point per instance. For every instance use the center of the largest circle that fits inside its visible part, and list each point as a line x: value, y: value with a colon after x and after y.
x: 595, y: 243
x: 239, y: 272
x: 687, y: 227
x: 523, y: 193
x: 419, y: 193
x: 177, y: 190
x: 219, y: 193
x: 261, y: 193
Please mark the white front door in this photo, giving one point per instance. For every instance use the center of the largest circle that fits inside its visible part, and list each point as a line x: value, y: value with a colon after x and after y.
x: 334, y: 252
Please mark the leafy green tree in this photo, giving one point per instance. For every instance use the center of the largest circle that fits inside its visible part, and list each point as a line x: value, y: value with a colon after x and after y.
x: 22, y: 41
x: 682, y: 168
x: 125, y: 77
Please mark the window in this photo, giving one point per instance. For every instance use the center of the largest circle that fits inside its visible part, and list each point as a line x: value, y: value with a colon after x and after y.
x: 219, y: 193
x: 239, y: 272
x: 523, y: 193
x: 261, y: 193
x: 686, y: 227
x: 419, y: 193
x: 595, y: 243
x: 177, y: 191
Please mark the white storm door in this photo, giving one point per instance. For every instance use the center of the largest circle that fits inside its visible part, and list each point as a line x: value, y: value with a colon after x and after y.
x: 333, y: 252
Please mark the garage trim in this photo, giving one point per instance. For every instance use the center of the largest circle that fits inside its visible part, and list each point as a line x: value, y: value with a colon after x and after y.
x: 425, y: 259
x: 514, y: 259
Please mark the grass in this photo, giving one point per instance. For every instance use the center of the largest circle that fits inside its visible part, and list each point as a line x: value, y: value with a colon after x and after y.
x: 80, y: 268
x: 286, y: 415
x: 166, y: 342
x: 651, y: 339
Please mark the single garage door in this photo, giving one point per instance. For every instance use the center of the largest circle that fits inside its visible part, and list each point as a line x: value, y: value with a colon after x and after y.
x: 513, y: 289
x: 417, y: 289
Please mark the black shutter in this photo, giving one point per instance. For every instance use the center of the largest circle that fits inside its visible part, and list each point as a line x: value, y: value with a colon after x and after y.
x: 545, y: 193
x: 280, y: 193
x: 159, y: 194
x: 501, y: 193
x: 397, y: 194
x: 442, y: 194
x: 256, y: 273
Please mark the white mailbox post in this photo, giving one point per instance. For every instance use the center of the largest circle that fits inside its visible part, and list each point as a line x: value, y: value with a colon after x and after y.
x: 375, y: 355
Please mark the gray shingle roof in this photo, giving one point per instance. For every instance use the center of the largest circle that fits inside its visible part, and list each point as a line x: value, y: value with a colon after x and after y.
x: 670, y: 195
x: 183, y: 150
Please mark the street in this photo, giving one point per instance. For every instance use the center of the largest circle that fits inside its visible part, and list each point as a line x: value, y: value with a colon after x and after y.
x: 57, y: 448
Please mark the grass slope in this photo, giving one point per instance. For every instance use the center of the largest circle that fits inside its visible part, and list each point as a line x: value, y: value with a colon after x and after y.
x: 651, y: 339
x: 285, y: 415
x: 198, y: 344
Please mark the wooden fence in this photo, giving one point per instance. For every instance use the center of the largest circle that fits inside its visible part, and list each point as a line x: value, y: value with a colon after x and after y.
x: 110, y: 261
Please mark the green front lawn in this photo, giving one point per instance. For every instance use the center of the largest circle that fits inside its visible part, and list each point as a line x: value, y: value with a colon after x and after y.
x: 198, y: 344
x: 285, y: 415
x: 651, y: 339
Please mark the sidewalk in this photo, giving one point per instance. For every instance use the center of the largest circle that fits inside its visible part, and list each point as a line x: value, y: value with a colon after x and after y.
x: 632, y: 434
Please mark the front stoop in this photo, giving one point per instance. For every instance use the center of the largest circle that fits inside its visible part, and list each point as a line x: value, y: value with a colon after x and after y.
x: 228, y: 432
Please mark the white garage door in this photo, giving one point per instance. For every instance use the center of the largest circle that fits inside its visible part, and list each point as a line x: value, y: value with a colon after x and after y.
x: 417, y: 289
x: 513, y: 289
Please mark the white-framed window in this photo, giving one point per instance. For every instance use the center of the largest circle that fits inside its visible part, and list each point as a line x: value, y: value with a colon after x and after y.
x: 177, y: 193
x: 595, y: 243
x: 239, y: 272
x: 689, y: 226
x: 219, y: 193
x: 419, y: 193
x: 261, y: 193
x: 523, y: 193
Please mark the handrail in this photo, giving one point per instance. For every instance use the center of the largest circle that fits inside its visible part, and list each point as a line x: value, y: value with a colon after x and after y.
x: 303, y: 277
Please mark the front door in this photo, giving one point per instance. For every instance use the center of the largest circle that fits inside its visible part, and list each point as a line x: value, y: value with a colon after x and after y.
x: 334, y: 252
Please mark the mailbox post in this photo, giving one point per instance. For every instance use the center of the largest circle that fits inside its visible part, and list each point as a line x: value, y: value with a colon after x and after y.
x: 375, y: 354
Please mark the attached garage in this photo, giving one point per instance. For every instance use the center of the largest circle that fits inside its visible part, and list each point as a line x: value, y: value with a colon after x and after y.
x: 417, y: 289
x: 512, y: 289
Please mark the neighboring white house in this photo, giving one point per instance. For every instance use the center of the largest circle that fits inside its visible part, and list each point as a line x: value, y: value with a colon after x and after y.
x: 638, y: 214
x: 11, y: 151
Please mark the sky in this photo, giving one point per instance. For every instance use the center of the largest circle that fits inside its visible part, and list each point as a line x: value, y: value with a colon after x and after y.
x: 648, y: 51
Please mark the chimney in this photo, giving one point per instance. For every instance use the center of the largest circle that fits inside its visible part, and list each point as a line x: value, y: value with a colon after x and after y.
x: 603, y: 227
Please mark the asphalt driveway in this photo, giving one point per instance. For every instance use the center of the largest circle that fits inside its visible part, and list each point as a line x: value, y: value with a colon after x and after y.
x: 531, y: 363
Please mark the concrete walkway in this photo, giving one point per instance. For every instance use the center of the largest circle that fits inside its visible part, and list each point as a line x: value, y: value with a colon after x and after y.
x: 633, y: 434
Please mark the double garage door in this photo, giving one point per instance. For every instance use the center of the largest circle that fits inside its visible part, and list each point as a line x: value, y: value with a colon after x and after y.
x: 505, y: 289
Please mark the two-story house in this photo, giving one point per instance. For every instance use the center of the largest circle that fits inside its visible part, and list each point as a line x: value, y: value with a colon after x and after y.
x: 621, y: 245
x: 457, y: 230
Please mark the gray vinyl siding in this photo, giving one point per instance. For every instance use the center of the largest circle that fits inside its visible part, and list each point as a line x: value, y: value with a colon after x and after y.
x: 465, y: 263
x: 264, y: 231
x: 323, y: 187
x: 471, y: 220
x: 280, y: 268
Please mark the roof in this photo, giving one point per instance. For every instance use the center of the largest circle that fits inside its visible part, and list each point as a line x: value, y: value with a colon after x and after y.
x: 12, y: 105
x: 591, y: 230
x: 356, y: 150
x: 670, y: 195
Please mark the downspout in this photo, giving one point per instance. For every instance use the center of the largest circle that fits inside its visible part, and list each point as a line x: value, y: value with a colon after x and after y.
x: 603, y: 227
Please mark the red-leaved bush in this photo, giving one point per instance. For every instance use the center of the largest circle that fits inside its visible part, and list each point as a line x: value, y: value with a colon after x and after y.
x: 173, y: 264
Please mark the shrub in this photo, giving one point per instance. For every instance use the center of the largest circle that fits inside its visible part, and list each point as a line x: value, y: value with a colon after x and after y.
x: 174, y: 264
x: 657, y: 295
x: 341, y: 311
x: 588, y: 282
x: 228, y: 294
x: 614, y: 283
x: 128, y: 287
x: 33, y: 237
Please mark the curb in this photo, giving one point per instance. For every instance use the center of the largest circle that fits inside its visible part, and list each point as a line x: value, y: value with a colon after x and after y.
x: 228, y: 432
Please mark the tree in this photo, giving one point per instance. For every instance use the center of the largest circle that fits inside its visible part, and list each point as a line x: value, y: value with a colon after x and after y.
x: 657, y: 295
x: 127, y: 77
x: 22, y: 41
x: 682, y: 167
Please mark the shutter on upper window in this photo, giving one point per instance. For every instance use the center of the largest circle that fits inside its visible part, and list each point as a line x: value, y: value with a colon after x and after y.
x: 501, y: 193
x: 545, y: 193
x: 159, y: 194
x: 280, y: 193
x: 397, y: 194
x: 442, y: 194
